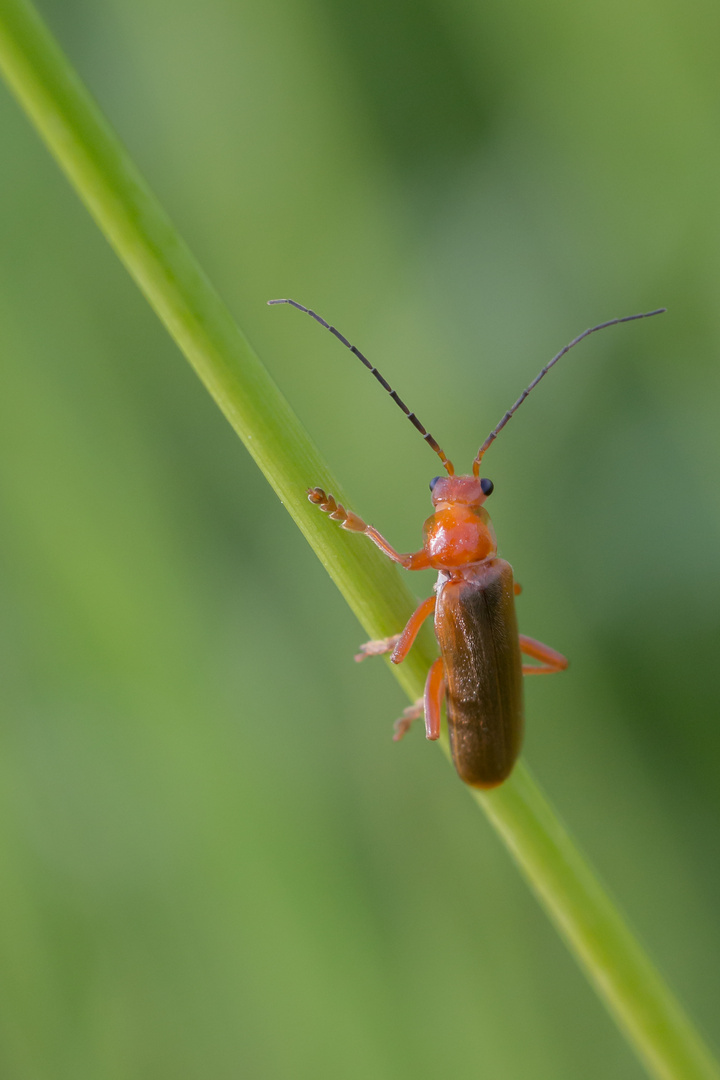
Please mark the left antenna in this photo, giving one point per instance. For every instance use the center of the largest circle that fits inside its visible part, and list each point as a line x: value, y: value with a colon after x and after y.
x: 541, y: 375
x: 432, y: 443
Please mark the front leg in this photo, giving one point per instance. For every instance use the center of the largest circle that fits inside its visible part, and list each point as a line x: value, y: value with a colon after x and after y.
x: 414, y: 561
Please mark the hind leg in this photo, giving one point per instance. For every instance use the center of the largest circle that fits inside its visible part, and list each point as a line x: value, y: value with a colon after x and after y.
x: 430, y: 704
x: 403, y: 723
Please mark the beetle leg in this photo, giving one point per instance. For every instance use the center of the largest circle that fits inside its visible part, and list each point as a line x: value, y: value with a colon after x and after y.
x: 401, y: 644
x: 377, y: 648
x: 517, y: 589
x: 430, y: 704
x: 402, y: 725
x: 412, y: 561
x: 434, y: 694
x: 406, y: 639
x: 551, y: 660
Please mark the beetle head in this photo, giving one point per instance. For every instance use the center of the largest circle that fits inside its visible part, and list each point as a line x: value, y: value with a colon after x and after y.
x: 465, y: 490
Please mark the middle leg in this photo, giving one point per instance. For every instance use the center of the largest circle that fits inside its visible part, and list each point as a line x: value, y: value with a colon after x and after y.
x: 552, y: 660
x: 399, y: 643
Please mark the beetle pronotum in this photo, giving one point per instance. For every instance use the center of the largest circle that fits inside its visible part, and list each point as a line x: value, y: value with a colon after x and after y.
x: 479, y: 670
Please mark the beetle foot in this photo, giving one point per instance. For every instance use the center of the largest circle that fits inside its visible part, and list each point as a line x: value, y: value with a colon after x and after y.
x: 329, y: 505
x: 377, y: 648
x: 403, y: 723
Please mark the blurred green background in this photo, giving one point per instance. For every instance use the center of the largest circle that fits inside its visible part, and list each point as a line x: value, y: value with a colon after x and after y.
x: 215, y: 863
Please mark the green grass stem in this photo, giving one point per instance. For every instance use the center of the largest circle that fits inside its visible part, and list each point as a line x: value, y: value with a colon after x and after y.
x: 128, y: 214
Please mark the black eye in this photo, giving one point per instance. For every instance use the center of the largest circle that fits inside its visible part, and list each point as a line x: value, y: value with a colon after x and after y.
x: 434, y: 481
x: 487, y: 486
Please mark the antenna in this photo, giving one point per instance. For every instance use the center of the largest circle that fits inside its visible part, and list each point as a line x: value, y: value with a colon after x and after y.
x: 385, y: 385
x: 601, y: 326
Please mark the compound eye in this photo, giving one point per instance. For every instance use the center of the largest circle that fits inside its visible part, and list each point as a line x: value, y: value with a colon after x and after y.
x: 434, y: 481
x: 487, y: 486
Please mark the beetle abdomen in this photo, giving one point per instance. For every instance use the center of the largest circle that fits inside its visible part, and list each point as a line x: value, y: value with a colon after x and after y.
x: 477, y: 630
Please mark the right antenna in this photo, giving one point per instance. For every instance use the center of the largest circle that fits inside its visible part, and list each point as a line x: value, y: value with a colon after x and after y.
x: 601, y: 326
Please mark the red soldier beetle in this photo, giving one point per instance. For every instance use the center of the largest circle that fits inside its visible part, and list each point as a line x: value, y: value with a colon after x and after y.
x: 479, y: 670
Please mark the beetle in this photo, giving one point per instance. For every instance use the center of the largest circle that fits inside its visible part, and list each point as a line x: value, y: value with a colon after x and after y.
x: 479, y: 671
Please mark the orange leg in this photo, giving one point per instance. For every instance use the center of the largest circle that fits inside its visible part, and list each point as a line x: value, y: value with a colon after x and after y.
x: 430, y: 704
x: 406, y: 639
x: 434, y: 694
x: 400, y: 643
x: 413, y: 561
x: 551, y: 660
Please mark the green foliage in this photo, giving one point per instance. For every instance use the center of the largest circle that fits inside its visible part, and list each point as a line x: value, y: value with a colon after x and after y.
x: 167, y: 910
